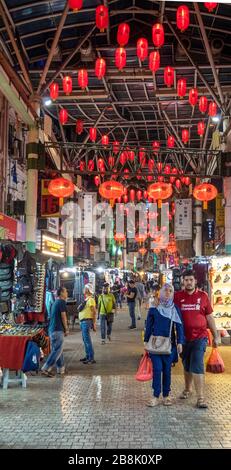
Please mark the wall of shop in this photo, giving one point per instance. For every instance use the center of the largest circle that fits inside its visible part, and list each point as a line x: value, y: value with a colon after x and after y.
x: 4, y: 113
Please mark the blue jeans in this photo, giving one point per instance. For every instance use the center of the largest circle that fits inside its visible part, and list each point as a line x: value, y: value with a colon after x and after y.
x: 161, y: 374
x: 86, y: 326
x: 103, y: 323
x: 131, y: 308
x: 118, y: 298
x: 56, y: 355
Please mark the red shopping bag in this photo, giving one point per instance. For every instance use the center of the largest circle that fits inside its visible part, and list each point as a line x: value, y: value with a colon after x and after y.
x: 215, y: 362
x: 144, y: 372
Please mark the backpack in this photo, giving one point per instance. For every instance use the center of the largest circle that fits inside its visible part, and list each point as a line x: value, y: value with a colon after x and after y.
x: 32, y: 357
x: 23, y: 286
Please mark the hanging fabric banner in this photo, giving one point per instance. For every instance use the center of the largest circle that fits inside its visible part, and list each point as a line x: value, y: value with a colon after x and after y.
x: 183, y: 219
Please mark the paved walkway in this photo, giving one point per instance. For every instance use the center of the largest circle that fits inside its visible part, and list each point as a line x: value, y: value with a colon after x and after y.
x: 102, y: 406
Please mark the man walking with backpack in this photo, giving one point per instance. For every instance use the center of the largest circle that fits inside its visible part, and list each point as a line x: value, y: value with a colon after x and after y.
x: 106, y: 309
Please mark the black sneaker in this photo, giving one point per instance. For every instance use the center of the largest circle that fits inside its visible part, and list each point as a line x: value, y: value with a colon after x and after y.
x: 89, y: 362
x: 83, y: 359
x: 132, y: 327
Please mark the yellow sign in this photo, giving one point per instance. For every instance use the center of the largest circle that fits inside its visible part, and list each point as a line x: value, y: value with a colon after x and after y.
x: 52, y: 247
x: 220, y: 211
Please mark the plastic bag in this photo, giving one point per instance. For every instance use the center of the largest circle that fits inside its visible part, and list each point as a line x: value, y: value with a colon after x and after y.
x: 210, y: 337
x: 145, y: 372
x: 215, y: 362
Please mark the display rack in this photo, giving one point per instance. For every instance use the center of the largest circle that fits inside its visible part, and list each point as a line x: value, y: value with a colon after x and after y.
x: 220, y: 282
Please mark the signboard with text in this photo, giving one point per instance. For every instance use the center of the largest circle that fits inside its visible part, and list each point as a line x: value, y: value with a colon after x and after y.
x: 52, y: 247
x: 8, y: 228
x: 50, y: 205
x: 183, y: 219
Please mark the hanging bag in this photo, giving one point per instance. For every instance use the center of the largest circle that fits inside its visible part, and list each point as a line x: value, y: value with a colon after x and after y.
x: 160, y: 344
x: 145, y: 372
x: 109, y: 315
x: 215, y: 362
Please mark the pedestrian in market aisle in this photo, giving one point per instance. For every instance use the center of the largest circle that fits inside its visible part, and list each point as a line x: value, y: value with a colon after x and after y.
x: 116, y: 290
x: 58, y: 328
x: 162, y: 322
x: 106, y: 310
x: 197, y: 317
x: 87, y: 317
x: 140, y: 296
x: 131, y: 300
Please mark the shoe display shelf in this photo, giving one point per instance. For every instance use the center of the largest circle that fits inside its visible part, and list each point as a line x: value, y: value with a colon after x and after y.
x: 220, y: 284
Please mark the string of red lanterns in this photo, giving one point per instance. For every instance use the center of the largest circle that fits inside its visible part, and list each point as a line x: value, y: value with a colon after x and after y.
x: 100, y: 68
x: 123, y: 34
x: 142, y: 49
x: 102, y: 18
x: 158, y: 35
x: 154, y: 61
x: 120, y: 58
x: 169, y: 76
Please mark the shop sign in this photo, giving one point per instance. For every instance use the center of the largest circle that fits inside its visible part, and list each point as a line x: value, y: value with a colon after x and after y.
x: 209, y: 249
x: 183, y: 219
x: 8, y: 228
x: 38, y: 239
x: 53, y: 225
x: 52, y: 247
x: 50, y: 205
x: 220, y: 211
x: 21, y: 231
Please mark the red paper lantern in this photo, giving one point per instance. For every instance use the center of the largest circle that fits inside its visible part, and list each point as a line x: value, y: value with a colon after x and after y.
x: 79, y: 126
x: 138, y: 175
x: 131, y: 155
x: 193, y: 96
x: 205, y: 192
x: 116, y: 147
x: 140, y: 238
x: 201, y: 128
x: 97, y: 180
x: 132, y: 195
x: 185, y: 136
x: 169, y: 76
x: 171, y: 142
x: 160, y: 191
x: 145, y: 194
x: 91, y: 165
x: 105, y: 140
x: 83, y: 78
x: 154, y: 61
x: 142, y: 155
x: 93, y: 134
x: 82, y: 166
x: 75, y: 4
x: 63, y: 116
x: 139, y: 195
x: 142, y: 49
x: 102, y: 17
x: 67, y: 85
x: 187, y: 181
x: 111, y: 161
x: 100, y: 68
x: 181, y: 87
x: 54, y: 91
x: 123, y: 34
x: 160, y: 179
x: 178, y: 184
x: 61, y: 187
x: 119, y: 237
x: 174, y: 172
x: 123, y: 158
x: 151, y: 165
x: 182, y: 18
x: 126, y: 173
x: 156, y: 146
x: 212, y: 109
x: 210, y: 6
x: 120, y: 58
x: 158, y: 35
x: 203, y: 104
x: 167, y: 169
x: 159, y: 167
x: 125, y: 198
x: 111, y: 189
x: 100, y: 163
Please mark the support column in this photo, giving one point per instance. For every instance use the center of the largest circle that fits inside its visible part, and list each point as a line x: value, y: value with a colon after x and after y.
x: 198, y: 228
x: 32, y: 183
x: 70, y: 252
x: 124, y: 248
x: 227, y: 195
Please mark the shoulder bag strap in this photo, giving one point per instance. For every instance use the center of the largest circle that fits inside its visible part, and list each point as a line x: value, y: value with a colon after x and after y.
x: 170, y: 332
x: 104, y: 306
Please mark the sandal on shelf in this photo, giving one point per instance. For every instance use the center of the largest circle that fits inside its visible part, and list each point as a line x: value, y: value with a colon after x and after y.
x: 201, y: 403
x: 185, y: 395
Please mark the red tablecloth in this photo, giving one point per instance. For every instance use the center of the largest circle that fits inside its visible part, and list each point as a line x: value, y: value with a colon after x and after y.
x: 12, y: 351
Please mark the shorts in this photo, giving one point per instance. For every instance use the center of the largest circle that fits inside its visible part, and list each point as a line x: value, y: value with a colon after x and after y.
x: 193, y: 355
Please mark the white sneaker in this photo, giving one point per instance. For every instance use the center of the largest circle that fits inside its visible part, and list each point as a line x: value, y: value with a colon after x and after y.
x: 152, y: 402
x: 103, y: 341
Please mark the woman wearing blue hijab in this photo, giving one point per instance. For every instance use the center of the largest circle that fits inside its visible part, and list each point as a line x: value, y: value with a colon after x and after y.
x: 159, y: 321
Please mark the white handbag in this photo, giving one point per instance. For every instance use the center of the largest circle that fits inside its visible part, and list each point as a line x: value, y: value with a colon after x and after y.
x: 160, y: 344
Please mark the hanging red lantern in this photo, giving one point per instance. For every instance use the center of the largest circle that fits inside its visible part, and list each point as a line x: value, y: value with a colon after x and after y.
x: 79, y: 126
x: 132, y: 195
x: 158, y: 35
x: 111, y: 161
x: 160, y: 179
x: 75, y: 4
x: 54, y: 91
x: 119, y: 237
x: 159, y: 167
x: 201, y: 128
x: 174, y: 172
x: 91, y: 165
x: 142, y: 49
x: 151, y: 165
x: 126, y: 173
x: 203, y: 104
x: 97, y: 180
x: 139, y: 195
x: 193, y: 96
x: 156, y: 146
x: 100, y: 163
x: 181, y: 87
x: 212, y: 109
x: 142, y: 155
x: 160, y: 192
x: 111, y: 189
x: 125, y: 199
x: 187, y: 181
x: 140, y: 238
x: 67, y: 85
x: 123, y: 34
x: 154, y: 61
x: 131, y: 155
x: 102, y: 18
x: 120, y: 58
x: 138, y: 174
x: 123, y: 158
x: 93, y: 134
x: 167, y: 169
x: 182, y: 18
x: 205, y: 192
x: 82, y: 166
x: 116, y: 147
x: 115, y: 175
x: 169, y: 76
x: 185, y: 136
x: 210, y: 6
x: 178, y: 184
x: 63, y: 116
x: 105, y: 140
x: 145, y: 194
x: 100, y: 68
x: 83, y: 78
x: 171, y: 142
x: 61, y: 187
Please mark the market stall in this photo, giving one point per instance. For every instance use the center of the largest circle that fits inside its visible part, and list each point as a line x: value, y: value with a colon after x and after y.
x: 220, y: 283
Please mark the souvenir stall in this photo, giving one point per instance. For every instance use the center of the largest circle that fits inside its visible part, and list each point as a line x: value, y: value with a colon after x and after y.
x: 220, y: 285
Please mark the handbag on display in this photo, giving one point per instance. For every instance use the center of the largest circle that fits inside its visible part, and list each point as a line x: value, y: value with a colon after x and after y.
x: 160, y: 344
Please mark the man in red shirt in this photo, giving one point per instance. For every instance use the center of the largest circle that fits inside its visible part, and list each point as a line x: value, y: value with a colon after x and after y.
x: 197, y: 316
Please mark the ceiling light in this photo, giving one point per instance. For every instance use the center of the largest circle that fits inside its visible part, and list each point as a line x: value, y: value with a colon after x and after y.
x: 47, y: 101
x: 216, y: 119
